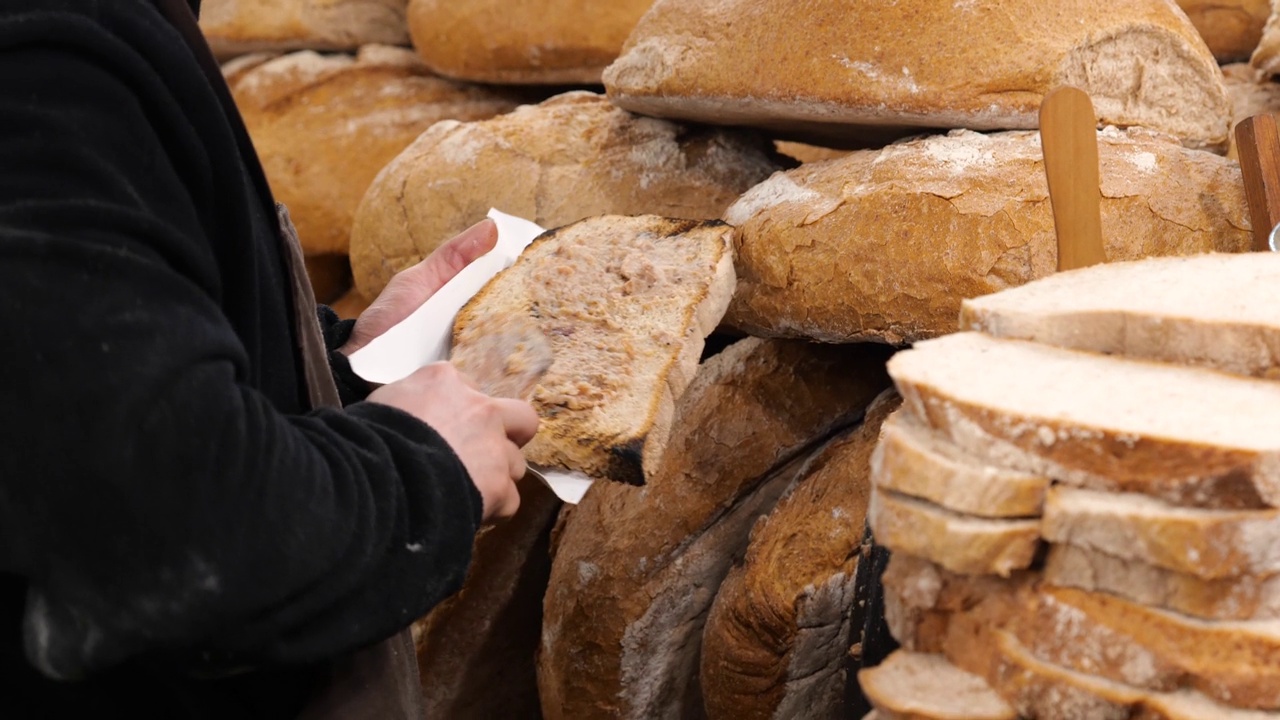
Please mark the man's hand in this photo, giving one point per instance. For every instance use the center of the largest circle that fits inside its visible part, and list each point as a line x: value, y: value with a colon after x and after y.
x: 411, y: 287
x: 485, y: 433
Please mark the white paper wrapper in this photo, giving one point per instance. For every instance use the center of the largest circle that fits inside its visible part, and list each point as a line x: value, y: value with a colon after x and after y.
x: 424, y: 337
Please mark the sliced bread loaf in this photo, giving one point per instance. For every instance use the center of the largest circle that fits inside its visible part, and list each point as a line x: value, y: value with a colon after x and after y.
x: 1192, y: 436
x: 1213, y: 310
x: 1246, y: 597
x: 625, y: 303
x: 913, y: 460
x: 1210, y: 544
x: 921, y: 686
x: 960, y: 543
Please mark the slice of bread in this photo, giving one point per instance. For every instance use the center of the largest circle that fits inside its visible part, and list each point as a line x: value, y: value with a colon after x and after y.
x: 1211, y: 544
x: 960, y: 543
x: 913, y: 460
x: 1245, y: 597
x: 626, y: 303
x: 1212, y: 310
x: 920, y: 686
x: 1045, y: 691
x: 1188, y: 435
x: 1236, y: 663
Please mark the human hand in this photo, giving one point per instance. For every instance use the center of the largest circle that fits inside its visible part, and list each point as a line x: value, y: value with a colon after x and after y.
x: 485, y: 433
x: 415, y: 285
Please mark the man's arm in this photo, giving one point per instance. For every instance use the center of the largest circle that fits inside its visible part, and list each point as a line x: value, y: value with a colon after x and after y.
x: 154, y: 500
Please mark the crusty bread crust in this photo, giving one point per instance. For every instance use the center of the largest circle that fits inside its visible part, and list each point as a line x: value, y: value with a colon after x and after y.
x: 913, y: 64
x: 626, y: 333
x: 822, y: 252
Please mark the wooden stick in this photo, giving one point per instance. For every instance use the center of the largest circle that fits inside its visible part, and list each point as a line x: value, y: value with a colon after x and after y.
x: 1258, y: 144
x: 1068, y: 134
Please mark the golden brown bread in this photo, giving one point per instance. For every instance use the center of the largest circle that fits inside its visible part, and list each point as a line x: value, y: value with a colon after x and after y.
x: 636, y: 569
x: 571, y: 157
x: 236, y: 27
x: 536, y: 42
x: 1266, y: 57
x: 883, y: 245
x: 1251, y: 93
x: 1231, y: 28
x: 774, y: 643
x: 929, y: 63
x: 324, y: 126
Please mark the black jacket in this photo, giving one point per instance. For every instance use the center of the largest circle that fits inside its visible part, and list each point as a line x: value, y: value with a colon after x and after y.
x: 179, y: 535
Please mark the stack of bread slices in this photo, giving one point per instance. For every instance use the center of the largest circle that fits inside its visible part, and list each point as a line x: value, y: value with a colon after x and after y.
x: 1079, y: 495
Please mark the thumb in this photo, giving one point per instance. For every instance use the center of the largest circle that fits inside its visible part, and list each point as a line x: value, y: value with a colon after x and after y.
x: 450, y: 258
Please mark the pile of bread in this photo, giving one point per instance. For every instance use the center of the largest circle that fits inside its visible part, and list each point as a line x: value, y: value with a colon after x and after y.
x: 720, y: 313
x: 1080, y: 495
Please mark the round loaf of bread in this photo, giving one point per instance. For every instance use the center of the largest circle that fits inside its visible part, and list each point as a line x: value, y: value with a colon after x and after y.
x: 883, y: 245
x: 324, y: 125
x: 1251, y: 93
x: 572, y: 157
x: 236, y: 27
x: 856, y: 71
x: 1266, y: 57
x: 1231, y: 28
x: 562, y: 42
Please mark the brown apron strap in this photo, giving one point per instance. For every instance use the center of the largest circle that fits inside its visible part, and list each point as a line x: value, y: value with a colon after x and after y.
x: 380, y: 682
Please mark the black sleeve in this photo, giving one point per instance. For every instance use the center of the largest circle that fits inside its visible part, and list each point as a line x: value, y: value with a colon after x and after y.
x: 155, y: 502
x: 351, y: 387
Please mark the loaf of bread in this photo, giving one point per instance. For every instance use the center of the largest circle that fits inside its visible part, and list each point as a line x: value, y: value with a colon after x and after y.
x: 1231, y: 28
x: 564, y: 42
x: 1211, y: 544
x: 572, y: 157
x: 774, y: 643
x: 484, y: 638
x: 1235, y: 598
x: 1100, y: 422
x: 925, y: 686
x: 324, y: 125
x: 236, y: 27
x: 635, y: 570
x: 915, y: 461
x: 626, y: 304
x: 894, y: 66
x: 884, y: 244
x: 1251, y: 93
x: 1210, y: 310
x: 1266, y: 57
